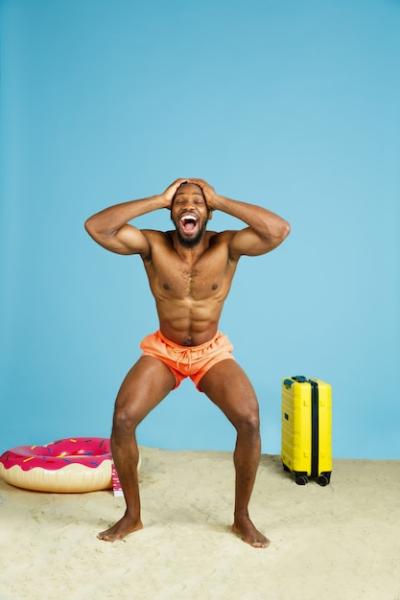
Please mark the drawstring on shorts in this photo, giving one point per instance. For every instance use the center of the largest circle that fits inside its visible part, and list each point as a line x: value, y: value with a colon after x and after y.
x: 186, y: 354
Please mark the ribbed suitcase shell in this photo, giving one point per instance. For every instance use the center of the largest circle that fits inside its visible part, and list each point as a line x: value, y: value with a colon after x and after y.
x: 307, y: 428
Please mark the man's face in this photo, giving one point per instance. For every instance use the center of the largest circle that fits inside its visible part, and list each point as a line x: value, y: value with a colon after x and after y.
x: 189, y: 214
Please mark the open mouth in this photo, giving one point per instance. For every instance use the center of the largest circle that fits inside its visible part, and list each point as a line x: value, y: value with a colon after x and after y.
x: 189, y: 223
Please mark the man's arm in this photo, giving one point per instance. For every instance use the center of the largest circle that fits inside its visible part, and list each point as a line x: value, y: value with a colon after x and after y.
x: 265, y: 232
x: 266, y: 229
x: 109, y: 227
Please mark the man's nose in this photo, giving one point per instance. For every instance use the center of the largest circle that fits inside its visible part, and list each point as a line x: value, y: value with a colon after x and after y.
x: 190, y: 206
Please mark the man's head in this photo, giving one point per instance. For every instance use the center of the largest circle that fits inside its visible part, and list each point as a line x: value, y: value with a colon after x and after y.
x: 190, y: 214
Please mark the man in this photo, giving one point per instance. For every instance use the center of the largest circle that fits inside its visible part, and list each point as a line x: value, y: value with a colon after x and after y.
x: 190, y: 270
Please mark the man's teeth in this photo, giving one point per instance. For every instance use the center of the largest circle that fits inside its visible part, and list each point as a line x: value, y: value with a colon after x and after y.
x: 185, y: 220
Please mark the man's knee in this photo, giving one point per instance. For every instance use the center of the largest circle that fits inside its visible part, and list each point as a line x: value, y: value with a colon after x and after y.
x: 248, y: 422
x: 124, y: 420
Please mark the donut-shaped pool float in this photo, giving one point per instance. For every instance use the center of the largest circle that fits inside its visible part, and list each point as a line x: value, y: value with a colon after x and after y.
x: 80, y: 464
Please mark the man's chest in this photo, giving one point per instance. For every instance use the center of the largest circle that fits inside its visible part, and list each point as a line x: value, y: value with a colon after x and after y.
x: 210, y: 275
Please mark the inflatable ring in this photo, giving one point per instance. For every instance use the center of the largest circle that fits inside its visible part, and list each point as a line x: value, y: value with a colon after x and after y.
x: 69, y: 465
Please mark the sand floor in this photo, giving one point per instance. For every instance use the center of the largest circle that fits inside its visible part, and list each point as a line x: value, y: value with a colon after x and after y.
x: 339, y: 542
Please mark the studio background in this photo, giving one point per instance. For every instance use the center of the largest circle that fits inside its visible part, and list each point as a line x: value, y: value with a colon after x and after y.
x: 290, y: 105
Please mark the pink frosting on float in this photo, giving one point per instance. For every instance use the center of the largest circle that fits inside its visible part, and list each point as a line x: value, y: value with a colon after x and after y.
x: 90, y: 452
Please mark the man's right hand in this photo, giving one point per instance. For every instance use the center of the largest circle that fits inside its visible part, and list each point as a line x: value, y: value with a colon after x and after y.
x: 170, y: 192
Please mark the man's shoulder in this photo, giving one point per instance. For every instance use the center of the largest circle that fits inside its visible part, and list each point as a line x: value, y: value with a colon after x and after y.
x: 222, y: 236
x: 152, y: 231
x: 154, y: 234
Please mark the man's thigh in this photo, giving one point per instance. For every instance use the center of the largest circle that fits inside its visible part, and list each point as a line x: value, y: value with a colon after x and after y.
x: 144, y: 386
x: 228, y: 386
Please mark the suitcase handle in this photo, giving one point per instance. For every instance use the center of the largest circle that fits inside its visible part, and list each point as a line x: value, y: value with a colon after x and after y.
x: 289, y: 382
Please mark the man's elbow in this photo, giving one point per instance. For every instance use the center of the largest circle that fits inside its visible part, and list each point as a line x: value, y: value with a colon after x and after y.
x: 93, y: 233
x: 286, y: 229
x: 87, y: 224
x: 90, y: 227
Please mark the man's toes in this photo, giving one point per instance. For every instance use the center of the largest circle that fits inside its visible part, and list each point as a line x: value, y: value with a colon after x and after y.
x: 104, y: 537
x: 261, y: 543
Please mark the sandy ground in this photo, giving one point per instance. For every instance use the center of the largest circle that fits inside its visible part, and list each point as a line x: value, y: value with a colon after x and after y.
x: 339, y: 542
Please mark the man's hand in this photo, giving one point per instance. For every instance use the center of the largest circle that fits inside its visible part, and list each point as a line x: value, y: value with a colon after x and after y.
x: 209, y: 192
x: 170, y: 192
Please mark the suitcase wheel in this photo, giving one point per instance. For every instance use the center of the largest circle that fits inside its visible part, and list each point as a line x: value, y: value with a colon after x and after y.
x: 301, y: 479
x: 324, y: 478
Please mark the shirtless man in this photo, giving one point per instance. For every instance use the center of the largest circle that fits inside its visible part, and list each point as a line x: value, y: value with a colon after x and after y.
x: 190, y: 271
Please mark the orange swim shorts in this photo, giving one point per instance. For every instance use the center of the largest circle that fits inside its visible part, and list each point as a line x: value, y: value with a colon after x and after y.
x: 187, y: 361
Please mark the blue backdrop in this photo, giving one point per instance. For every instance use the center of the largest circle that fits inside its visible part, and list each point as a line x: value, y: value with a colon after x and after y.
x: 290, y: 105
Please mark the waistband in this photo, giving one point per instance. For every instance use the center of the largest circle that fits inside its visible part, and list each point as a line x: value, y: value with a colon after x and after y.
x: 185, y: 348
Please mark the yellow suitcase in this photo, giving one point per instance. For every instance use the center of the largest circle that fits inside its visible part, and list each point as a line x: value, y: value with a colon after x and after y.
x: 307, y: 429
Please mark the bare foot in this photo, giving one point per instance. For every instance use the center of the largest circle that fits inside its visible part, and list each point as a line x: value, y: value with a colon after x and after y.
x: 120, y: 529
x: 246, y: 530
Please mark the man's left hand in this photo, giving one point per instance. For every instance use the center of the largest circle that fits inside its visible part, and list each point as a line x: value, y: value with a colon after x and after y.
x: 209, y: 192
